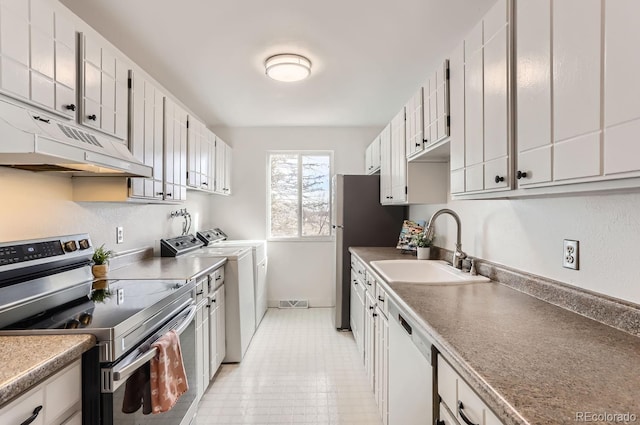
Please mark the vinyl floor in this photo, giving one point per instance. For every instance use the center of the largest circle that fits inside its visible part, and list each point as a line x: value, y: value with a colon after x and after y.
x: 297, y: 370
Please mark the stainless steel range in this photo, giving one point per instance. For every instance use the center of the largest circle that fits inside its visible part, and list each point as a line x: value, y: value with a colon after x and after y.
x: 46, y: 287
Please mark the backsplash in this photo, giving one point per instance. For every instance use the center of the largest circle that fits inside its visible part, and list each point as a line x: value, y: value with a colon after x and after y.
x: 40, y: 204
x: 619, y: 314
x: 527, y: 235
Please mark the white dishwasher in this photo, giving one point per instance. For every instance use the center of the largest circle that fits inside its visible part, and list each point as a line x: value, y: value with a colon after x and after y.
x: 410, y: 372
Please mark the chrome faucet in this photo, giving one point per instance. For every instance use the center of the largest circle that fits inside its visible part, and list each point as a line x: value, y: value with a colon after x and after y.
x: 458, y: 254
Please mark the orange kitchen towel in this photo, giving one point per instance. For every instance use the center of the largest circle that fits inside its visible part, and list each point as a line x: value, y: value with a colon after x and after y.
x: 168, y: 377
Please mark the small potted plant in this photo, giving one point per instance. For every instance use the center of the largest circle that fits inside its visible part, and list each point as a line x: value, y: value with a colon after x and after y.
x: 423, y: 244
x: 100, y: 260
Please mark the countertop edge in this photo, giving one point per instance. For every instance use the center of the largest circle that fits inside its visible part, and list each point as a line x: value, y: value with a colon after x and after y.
x: 208, y: 270
x: 41, y: 371
x: 501, y: 407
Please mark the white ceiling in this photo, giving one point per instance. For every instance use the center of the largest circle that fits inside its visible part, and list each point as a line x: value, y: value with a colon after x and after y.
x: 368, y: 56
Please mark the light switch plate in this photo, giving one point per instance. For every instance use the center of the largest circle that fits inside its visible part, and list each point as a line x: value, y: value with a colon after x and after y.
x: 570, y: 257
x: 119, y: 234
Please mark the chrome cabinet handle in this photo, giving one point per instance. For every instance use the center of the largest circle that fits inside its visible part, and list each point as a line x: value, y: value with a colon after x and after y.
x: 33, y: 416
x: 463, y: 416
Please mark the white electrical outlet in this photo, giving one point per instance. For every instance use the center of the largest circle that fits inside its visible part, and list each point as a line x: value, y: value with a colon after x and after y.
x: 119, y: 234
x: 570, y: 258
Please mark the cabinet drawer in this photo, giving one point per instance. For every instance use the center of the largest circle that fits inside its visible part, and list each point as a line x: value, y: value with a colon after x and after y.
x: 63, y: 392
x: 59, y: 397
x: 381, y: 300
x: 446, y: 418
x: 216, y: 279
x: 359, y: 270
x: 453, y: 391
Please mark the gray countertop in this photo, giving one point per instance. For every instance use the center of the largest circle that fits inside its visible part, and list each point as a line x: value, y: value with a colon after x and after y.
x: 530, y: 361
x: 178, y: 268
x: 27, y: 360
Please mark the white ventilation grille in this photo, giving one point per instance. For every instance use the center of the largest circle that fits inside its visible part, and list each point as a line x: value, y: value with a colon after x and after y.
x: 294, y: 304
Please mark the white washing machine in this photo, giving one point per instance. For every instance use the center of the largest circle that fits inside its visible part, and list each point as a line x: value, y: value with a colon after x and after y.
x: 240, y: 311
x: 217, y: 238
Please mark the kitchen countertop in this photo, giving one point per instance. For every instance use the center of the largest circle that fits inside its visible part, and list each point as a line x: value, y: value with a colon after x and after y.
x: 530, y: 361
x: 171, y: 268
x: 27, y: 360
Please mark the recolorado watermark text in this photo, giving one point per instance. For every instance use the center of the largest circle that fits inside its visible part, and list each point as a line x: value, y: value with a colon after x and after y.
x: 608, y: 417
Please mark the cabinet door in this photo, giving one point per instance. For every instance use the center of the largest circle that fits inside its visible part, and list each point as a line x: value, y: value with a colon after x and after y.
x: 369, y: 338
x: 194, y: 152
x: 65, y: 66
x: 199, y: 353
x: 145, y: 137
x: 228, y: 163
x: 382, y: 366
x: 533, y: 87
x: 457, y: 140
x: 221, y: 345
x: 385, y: 165
x: 622, y: 87
x: 14, y: 48
x: 576, y: 88
x: 413, y: 124
x: 474, y: 100
x: 398, y: 159
x: 175, y: 148
x: 213, y: 337
x: 104, y: 89
x: 496, y: 110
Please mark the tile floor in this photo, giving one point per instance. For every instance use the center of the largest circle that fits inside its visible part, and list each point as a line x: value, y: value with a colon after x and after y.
x: 297, y: 370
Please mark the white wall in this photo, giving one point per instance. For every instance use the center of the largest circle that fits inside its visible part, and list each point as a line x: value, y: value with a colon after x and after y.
x: 37, y: 205
x: 297, y: 270
x: 527, y: 234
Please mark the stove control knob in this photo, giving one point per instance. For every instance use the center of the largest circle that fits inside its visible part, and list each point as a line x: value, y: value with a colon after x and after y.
x: 72, y: 324
x: 84, y: 244
x: 70, y: 246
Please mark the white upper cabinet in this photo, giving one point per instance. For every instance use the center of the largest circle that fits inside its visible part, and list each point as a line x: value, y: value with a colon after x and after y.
x: 533, y: 81
x: 567, y: 132
x: 201, y: 156
x: 414, y: 124
x: 435, y: 112
x: 38, y: 56
x: 457, y: 139
x: 622, y: 87
x: 104, y: 79
x: 398, y: 159
x: 385, y: 165
x: 372, y: 157
x: 146, y: 137
x: 175, y: 151
x: 223, y: 159
x: 576, y: 88
x: 487, y: 109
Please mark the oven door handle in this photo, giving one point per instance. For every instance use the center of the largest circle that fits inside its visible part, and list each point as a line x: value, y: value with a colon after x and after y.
x: 121, y: 372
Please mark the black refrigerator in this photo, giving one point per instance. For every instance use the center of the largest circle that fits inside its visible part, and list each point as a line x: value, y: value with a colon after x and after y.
x: 358, y: 220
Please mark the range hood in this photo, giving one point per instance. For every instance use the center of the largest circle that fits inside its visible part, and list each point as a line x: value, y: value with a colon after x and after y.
x: 32, y: 141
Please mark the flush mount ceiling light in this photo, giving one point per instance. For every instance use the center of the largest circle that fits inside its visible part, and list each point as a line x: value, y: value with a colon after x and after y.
x: 287, y: 67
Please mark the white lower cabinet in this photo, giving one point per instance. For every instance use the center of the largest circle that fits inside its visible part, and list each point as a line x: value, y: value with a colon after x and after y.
x: 381, y: 357
x: 357, y: 312
x: 216, y: 330
x: 369, y: 337
x: 459, y: 400
x: 57, y: 401
x: 202, y: 339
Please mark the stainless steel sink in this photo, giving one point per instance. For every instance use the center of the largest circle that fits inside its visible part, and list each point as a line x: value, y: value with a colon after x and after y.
x: 428, y: 272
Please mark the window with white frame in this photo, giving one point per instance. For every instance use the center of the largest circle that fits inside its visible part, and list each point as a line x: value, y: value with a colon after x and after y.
x: 299, y: 194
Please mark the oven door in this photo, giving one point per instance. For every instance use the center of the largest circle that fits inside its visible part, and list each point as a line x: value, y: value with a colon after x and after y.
x: 115, y: 376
